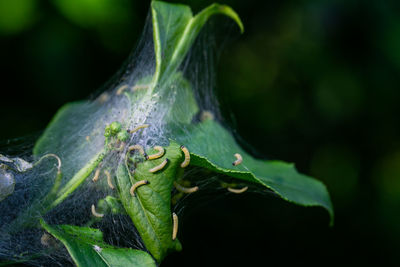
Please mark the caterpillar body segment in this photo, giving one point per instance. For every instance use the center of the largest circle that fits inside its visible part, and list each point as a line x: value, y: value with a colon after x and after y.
x: 186, y: 162
x: 157, y: 155
x: 121, y: 89
x: 109, y: 181
x: 134, y: 130
x: 95, y: 213
x: 138, y: 148
x: 159, y: 167
x: 186, y: 190
x: 238, y: 160
x: 136, y: 185
x: 96, y: 175
x: 139, y: 87
x: 175, y: 225
x: 238, y: 191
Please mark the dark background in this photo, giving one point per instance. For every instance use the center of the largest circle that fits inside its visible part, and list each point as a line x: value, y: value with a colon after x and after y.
x: 310, y: 82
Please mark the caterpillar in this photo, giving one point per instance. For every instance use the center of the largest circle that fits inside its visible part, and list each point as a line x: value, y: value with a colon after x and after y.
x: 186, y: 190
x: 159, y: 154
x: 99, y: 215
x: 54, y: 156
x: 238, y: 160
x: 138, y: 128
x: 159, y: 167
x: 139, y: 86
x: 238, y: 191
x: 175, y: 226
x: 186, y: 162
x: 121, y: 89
x: 96, y: 175
x: 109, y: 182
x: 139, y: 148
x: 136, y: 185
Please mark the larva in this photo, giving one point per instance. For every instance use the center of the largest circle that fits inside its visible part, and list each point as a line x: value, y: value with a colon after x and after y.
x: 139, y: 148
x: 175, y: 225
x: 54, y: 156
x: 96, y: 175
x: 136, y: 185
x: 186, y: 190
x: 139, y: 86
x: 186, y: 162
x: 159, y: 167
x: 238, y: 160
x: 94, y: 212
x: 44, y: 240
x: 237, y: 191
x: 138, y: 128
x: 206, y: 115
x: 159, y: 154
x: 109, y: 182
x: 121, y: 89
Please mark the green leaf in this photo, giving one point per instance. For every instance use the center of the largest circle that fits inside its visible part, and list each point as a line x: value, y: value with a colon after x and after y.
x: 174, y: 31
x: 87, y: 248
x: 213, y: 147
x: 184, y: 105
x: 150, y: 208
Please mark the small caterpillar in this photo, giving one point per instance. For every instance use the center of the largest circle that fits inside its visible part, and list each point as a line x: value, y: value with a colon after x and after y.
x: 159, y: 154
x: 175, y: 226
x: 121, y: 89
x: 138, y: 128
x: 238, y: 160
x: 238, y: 191
x: 54, y: 156
x: 159, y: 167
x: 109, y: 182
x: 139, y: 86
x: 99, y: 215
x: 206, y: 115
x: 96, y: 175
x: 186, y: 190
x: 136, y: 185
x: 44, y: 240
x: 186, y: 162
x: 139, y: 148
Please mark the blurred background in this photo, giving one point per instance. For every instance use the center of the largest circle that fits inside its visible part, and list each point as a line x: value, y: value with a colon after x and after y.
x: 310, y: 82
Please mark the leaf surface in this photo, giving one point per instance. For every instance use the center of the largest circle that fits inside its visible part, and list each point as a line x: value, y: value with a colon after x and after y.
x: 87, y: 248
x: 213, y: 147
x: 150, y: 208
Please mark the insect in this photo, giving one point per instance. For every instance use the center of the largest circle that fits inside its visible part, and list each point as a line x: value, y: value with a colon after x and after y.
x: 122, y: 89
x: 139, y: 86
x: 159, y: 154
x: 159, y: 167
x: 186, y: 190
x: 238, y: 160
x: 186, y: 162
x: 136, y: 185
x: 175, y: 226
x: 95, y: 213
x: 109, y: 182
x: 96, y: 175
x: 139, y: 148
x: 238, y: 191
x: 138, y: 128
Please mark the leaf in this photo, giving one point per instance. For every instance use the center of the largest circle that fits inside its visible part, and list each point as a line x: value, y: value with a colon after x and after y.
x: 150, y: 208
x: 87, y: 248
x: 174, y: 31
x: 213, y: 147
x: 181, y: 104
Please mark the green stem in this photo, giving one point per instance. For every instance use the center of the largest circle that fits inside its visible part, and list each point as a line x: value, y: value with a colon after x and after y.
x: 77, y: 179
